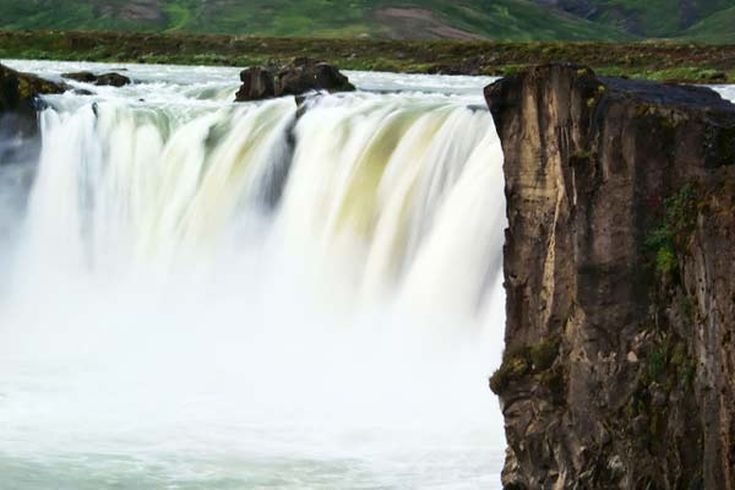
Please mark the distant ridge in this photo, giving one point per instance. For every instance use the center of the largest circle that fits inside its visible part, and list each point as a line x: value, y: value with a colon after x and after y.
x: 509, y: 20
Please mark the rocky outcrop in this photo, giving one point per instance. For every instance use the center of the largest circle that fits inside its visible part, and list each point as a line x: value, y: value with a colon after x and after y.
x: 298, y: 77
x: 19, y: 99
x: 105, y: 79
x: 619, y: 366
x: 18, y: 91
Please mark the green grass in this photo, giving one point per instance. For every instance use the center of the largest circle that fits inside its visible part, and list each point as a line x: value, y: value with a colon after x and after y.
x: 657, y: 61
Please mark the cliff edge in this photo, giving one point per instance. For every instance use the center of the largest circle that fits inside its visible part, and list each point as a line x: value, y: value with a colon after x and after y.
x: 19, y: 99
x: 619, y: 367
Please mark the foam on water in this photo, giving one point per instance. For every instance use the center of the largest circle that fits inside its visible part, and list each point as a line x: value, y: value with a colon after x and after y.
x: 203, y: 294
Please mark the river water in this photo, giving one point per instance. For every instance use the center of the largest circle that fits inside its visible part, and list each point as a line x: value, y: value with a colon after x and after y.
x: 203, y: 294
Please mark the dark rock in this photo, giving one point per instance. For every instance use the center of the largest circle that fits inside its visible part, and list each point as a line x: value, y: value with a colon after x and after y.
x: 300, y: 76
x: 19, y: 97
x: 81, y: 76
x: 18, y: 91
x: 621, y: 210
x: 257, y: 84
x: 105, y: 79
x: 113, y: 80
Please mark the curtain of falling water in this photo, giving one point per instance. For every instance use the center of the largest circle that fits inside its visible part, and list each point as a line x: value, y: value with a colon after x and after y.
x: 237, y: 297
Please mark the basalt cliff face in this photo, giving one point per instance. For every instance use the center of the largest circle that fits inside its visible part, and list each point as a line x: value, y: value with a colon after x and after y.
x: 619, y: 368
x: 19, y: 99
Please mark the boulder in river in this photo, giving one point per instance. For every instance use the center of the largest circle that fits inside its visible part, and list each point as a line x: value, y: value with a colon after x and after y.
x: 105, y: 79
x: 300, y: 76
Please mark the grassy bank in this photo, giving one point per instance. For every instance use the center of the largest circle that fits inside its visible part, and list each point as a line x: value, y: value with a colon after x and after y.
x: 656, y: 61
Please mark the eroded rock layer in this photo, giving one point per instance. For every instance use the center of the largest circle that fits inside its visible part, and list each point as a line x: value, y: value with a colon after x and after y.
x: 619, y: 369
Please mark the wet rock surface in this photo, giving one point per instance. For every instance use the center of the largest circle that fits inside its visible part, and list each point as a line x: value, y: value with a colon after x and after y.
x: 296, y: 78
x: 18, y: 91
x: 619, y: 367
x: 19, y: 100
x: 104, y: 80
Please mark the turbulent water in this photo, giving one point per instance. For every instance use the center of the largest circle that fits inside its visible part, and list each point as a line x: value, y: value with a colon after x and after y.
x: 201, y: 294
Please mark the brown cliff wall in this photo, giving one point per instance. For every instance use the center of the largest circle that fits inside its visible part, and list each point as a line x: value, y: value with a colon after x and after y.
x: 620, y: 276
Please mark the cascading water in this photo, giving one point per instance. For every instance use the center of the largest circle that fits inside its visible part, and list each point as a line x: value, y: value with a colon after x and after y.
x: 211, y: 295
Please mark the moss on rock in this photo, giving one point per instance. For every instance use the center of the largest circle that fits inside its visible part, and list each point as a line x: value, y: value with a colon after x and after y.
x: 535, y: 359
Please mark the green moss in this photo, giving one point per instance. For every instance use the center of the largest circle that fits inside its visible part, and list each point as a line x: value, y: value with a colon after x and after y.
x: 669, y: 365
x: 553, y: 380
x: 535, y: 359
x: 24, y: 89
x: 583, y: 156
x: 666, y: 262
x: 669, y: 238
x: 657, y: 363
x: 666, y: 376
x: 544, y: 353
x: 678, y: 354
x: 688, y: 375
x: 513, y: 367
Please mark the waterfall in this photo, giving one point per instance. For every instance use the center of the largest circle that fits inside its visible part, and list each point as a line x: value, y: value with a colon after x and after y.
x: 206, y: 293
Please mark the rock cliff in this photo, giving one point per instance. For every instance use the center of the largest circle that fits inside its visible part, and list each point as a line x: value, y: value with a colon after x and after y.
x: 18, y: 122
x: 19, y: 98
x: 619, y: 367
x: 18, y: 90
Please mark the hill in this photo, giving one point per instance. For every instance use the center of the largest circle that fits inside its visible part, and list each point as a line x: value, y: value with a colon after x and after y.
x: 504, y: 20
x: 646, y: 19
x: 717, y: 28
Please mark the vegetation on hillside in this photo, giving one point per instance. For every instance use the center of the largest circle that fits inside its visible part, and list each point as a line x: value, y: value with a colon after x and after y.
x: 658, y: 61
x: 502, y: 20
x: 653, y: 18
x: 718, y: 28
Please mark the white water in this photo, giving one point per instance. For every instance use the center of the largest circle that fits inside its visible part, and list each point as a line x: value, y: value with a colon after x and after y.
x: 191, y: 304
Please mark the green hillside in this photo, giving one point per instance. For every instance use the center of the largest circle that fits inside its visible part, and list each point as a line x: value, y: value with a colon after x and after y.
x: 650, y: 18
x: 499, y: 19
x: 508, y: 20
x: 717, y: 28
